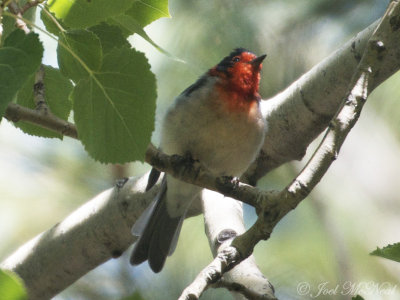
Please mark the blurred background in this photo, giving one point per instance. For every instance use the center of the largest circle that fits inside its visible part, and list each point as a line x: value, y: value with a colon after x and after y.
x: 327, y: 239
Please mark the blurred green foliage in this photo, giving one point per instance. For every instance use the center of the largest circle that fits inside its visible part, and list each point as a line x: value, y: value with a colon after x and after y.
x: 11, y: 287
x: 390, y: 252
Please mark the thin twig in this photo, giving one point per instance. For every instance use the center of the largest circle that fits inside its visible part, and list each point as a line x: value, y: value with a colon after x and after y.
x: 55, y: 21
x: 41, y: 115
x: 15, y: 113
x: 5, y: 3
x: 19, y: 23
x: 39, y: 91
x: 29, y: 5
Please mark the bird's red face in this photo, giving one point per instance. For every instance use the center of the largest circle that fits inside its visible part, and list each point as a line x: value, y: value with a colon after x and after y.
x: 239, y: 78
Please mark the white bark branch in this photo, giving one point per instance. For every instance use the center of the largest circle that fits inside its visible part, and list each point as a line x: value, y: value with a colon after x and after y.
x: 210, y: 274
x: 94, y: 233
x: 223, y: 218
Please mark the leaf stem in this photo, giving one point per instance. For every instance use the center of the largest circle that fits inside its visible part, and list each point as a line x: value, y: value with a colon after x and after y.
x: 55, y: 21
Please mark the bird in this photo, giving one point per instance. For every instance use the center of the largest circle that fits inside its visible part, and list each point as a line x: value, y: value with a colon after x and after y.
x: 216, y: 121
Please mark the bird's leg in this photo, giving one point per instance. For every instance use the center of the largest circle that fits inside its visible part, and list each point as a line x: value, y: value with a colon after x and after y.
x: 233, y: 180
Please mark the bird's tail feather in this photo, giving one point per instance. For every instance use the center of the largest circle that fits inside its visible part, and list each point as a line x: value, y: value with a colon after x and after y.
x: 158, y: 233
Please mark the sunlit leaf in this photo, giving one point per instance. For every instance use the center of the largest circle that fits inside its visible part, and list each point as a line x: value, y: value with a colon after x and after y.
x: 19, y: 58
x: 114, y: 109
x: 50, y: 22
x: 57, y: 90
x: 391, y: 252
x: 132, y: 26
x: 11, y: 286
x: 129, y: 24
x: 85, y: 13
x: 147, y: 11
x: 82, y: 56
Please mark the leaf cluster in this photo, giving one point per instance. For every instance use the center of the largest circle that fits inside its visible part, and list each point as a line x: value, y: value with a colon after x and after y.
x: 103, y: 83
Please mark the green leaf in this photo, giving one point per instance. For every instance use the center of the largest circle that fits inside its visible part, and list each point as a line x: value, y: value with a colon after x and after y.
x: 114, y: 109
x: 57, y: 90
x: 49, y: 22
x: 147, y: 11
x: 129, y: 24
x: 19, y: 58
x: 11, y: 286
x: 79, y: 54
x: 391, y: 252
x: 110, y: 37
x: 358, y: 297
x: 86, y: 13
x: 8, y: 27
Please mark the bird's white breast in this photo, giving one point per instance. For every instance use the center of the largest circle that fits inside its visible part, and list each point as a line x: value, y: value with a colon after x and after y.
x: 224, y: 141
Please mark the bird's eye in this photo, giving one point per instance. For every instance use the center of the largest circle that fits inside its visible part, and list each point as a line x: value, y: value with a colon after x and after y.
x: 236, y: 59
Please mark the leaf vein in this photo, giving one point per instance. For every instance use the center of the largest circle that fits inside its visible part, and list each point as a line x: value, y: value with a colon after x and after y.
x: 155, y: 8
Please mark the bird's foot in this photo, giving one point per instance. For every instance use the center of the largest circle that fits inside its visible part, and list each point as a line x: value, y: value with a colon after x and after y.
x: 234, y: 181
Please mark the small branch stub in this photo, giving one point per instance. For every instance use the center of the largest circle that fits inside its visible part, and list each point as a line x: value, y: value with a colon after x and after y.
x: 39, y: 91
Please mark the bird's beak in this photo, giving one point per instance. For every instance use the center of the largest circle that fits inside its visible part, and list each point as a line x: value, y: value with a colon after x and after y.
x: 258, y: 60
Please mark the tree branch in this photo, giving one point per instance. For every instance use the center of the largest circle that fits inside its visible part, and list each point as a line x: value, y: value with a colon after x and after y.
x: 30, y: 4
x: 223, y: 218
x: 243, y: 290
x: 19, y: 23
x: 194, y: 173
x: 97, y: 231
x: 48, y: 120
x: 209, y: 275
x: 39, y: 91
